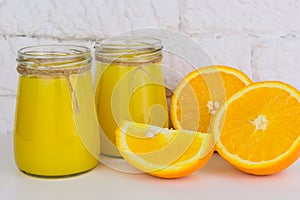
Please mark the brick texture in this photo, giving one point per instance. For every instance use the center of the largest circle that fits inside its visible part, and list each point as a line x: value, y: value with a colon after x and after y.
x: 259, y: 37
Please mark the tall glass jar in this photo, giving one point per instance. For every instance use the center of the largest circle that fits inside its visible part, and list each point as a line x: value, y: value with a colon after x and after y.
x: 129, y: 86
x: 56, y: 129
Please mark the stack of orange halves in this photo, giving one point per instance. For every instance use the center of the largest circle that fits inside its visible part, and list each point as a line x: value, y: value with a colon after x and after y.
x: 254, y: 126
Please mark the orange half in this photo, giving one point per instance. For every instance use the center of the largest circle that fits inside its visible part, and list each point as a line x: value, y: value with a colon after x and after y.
x: 259, y: 128
x: 201, y: 93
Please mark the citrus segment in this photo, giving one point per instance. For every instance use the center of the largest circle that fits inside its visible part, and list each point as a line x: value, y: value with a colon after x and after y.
x: 201, y: 93
x: 162, y: 152
x: 259, y: 128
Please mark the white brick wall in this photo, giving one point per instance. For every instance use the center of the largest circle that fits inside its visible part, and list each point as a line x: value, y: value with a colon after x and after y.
x: 259, y: 37
x: 228, y: 17
x: 278, y: 59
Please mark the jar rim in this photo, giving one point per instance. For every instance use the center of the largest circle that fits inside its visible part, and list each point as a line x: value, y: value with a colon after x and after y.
x: 51, y: 51
x: 129, y: 43
x: 129, y: 50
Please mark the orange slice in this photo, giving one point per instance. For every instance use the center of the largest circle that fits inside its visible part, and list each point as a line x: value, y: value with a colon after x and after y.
x: 259, y: 128
x: 162, y: 152
x: 200, y: 94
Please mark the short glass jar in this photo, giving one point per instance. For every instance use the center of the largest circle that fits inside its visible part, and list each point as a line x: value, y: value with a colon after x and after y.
x: 56, y: 130
x: 129, y: 86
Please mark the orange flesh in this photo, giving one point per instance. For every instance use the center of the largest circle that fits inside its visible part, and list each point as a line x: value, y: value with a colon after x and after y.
x: 279, y: 135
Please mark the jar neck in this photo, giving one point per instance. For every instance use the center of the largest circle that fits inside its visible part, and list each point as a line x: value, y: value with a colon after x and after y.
x: 53, y: 60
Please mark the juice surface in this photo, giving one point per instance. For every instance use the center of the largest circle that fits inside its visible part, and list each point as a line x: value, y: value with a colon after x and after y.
x: 130, y: 93
x: 51, y: 139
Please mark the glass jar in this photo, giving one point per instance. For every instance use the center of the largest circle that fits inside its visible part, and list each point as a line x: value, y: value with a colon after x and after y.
x: 56, y: 129
x: 129, y: 86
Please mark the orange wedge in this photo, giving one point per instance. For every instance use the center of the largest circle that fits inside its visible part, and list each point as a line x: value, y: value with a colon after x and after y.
x: 162, y: 152
x: 259, y: 128
x: 200, y: 94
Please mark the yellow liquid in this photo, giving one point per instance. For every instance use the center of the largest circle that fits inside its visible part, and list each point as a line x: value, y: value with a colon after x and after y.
x: 130, y: 93
x: 50, y: 138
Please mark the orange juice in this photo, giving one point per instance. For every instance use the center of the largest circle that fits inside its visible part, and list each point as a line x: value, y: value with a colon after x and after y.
x: 129, y: 86
x: 56, y: 130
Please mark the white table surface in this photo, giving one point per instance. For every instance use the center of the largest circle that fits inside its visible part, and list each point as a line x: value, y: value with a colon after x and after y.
x: 217, y: 180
